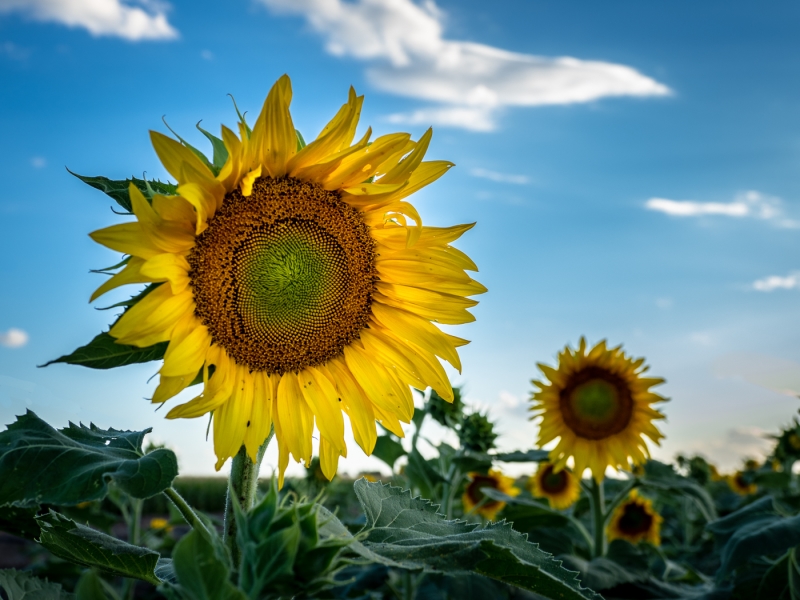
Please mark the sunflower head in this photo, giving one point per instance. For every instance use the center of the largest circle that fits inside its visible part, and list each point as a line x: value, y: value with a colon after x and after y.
x: 635, y: 520
x: 477, y: 433
x: 600, y: 405
x: 295, y: 281
x: 561, y: 488
x: 474, y: 500
x: 742, y: 483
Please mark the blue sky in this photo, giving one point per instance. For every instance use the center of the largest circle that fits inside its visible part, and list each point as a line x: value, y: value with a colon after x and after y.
x: 644, y: 189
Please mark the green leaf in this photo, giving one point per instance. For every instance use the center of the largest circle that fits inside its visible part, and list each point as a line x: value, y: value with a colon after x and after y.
x: 756, y: 530
x: 775, y: 582
x: 220, y: 151
x: 522, y: 456
x: 663, y: 477
x: 202, y: 570
x: 118, y: 190
x: 407, y: 532
x: 42, y: 465
x: 90, y: 587
x: 19, y: 585
x: 388, y: 450
x: 422, y: 474
x: 91, y: 548
x: 794, y: 575
x: 103, y: 352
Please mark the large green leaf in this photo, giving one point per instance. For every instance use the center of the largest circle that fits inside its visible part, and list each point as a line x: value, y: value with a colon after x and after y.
x: 407, y: 532
x: 388, y: 450
x: 118, y: 189
x: 91, y: 548
x: 19, y: 585
x: 90, y: 587
x: 42, y: 465
x: 663, y: 477
x: 522, y: 456
x: 755, y: 530
x: 202, y: 570
x: 103, y: 352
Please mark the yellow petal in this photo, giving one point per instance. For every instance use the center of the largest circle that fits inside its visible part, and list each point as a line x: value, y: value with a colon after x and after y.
x: 248, y: 180
x: 328, y: 458
x: 261, y: 417
x: 376, y: 382
x: 362, y: 165
x: 190, y: 354
x: 230, y: 419
x: 355, y: 404
x: 168, y: 267
x: 175, y: 208
x: 131, y: 273
x: 173, y: 155
x: 402, y: 172
x: 322, y: 399
x: 274, y: 140
x: 153, y: 317
x: 169, y: 387
x: 297, y: 420
x: 128, y: 238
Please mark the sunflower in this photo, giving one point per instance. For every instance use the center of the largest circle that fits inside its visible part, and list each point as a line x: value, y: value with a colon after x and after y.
x: 740, y: 484
x: 599, y: 405
x: 474, y: 498
x: 636, y: 521
x: 297, y: 281
x: 561, y: 488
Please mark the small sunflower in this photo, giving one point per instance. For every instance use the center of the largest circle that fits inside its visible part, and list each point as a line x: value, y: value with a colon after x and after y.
x: 474, y: 497
x: 740, y: 484
x: 635, y: 520
x: 302, y: 276
x: 714, y: 472
x: 600, y: 406
x: 561, y: 488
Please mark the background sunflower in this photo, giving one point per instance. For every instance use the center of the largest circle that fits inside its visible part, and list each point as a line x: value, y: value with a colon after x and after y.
x: 474, y: 500
x: 635, y: 520
x: 561, y: 488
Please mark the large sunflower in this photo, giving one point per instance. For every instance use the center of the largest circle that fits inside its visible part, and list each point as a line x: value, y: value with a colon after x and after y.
x: 599, y: 405
x: 475, y: 500
x: 635, y: 520
x: 295, y: 281
x: 561, y: 488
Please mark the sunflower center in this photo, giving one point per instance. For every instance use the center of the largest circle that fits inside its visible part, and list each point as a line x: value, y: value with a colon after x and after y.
x: 635, y: 520
x: 596, y: 403
x: 553, y: 483
x: 476, y: 487
x: 283, y: 278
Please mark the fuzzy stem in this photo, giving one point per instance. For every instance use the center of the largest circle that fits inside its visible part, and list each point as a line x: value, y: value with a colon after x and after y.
x: 183, y: 507
x: 243, y: 484
x: 598, y: 517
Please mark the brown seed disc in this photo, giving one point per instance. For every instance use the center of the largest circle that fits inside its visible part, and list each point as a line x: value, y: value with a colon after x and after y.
x: 475, y: 493
x: 596, y: 403
x: 635, y: 520
x: 284, y: 278
x: 553, y: 483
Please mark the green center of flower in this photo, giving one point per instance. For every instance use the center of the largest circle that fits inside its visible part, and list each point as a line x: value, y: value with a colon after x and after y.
x: 283, y: 278
x: 596, y: 403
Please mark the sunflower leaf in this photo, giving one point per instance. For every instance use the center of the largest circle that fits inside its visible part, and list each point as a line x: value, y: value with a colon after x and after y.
x: 409, y: 533
x: 118, y: 189
x: 388, y: 450
x: 103, y: 352
x: 91, y: 548
x: 20, y: 584
x: 42, y: 465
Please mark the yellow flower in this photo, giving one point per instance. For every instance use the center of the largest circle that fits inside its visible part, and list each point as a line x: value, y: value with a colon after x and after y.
x: 740, y: 485
x: 715, y: 474
x: 304, y: 278
x: 600, y: 406
x: 159, y: 523
x: 474, y: 498
x: 561, y: 488
x: 636, y: 521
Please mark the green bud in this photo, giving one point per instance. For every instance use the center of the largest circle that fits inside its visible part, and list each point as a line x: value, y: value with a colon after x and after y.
x: 449, y: 414
x: 477, y: 432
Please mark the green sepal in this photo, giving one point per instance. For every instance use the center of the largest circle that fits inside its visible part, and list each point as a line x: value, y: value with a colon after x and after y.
x: 103, y: 352
x: 220, y: 156
x: 203, y: 158
x: 91, y: 548
x: 118, y: 190
x: 301, y: 142
x: 42, y: 465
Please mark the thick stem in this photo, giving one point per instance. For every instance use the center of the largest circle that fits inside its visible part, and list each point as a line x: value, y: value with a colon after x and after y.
x: 242, y: 485
x: 134, y: 533
x: 598, y: 517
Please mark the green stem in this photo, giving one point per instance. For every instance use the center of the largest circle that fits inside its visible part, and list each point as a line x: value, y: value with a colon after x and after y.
x: 134, y: 529
x: 183, y: 507
x: 455, y: 482
x: 597, y: 498
x: 243, y: 484
x: 619, y: 499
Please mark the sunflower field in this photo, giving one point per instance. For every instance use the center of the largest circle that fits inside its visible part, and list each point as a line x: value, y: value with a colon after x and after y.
x: 293, y: 287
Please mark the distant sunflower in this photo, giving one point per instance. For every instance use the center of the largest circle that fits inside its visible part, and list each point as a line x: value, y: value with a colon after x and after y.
x: 561, y: 488
x: 474, y: 497
x: 302, y: 276
x: 714, y: 472
x: 741, y: 485
x: 599, y: 405
x: 636, y: 521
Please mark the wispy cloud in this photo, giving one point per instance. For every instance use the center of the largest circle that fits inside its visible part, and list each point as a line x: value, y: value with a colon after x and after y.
x: 13, y: 338
x: 12, y: 50
x: 132, y: 20
x: 500, y: 177
x: 470, y: 82
x: 38, y: 162
x: 777, y: 282
x: 752, y: 204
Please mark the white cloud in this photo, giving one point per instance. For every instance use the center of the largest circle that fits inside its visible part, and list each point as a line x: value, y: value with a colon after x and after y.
x: 752, y: 204
x: 38, y: 162
x: 772, y: 372
x: 207, y: 55
x: 500, y: 177
x: 664, y: 303
x: 13, y: 338
x: 776, y: 282
x: 473, y: 81
x: 120, y: 18
x: 729, y: 452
